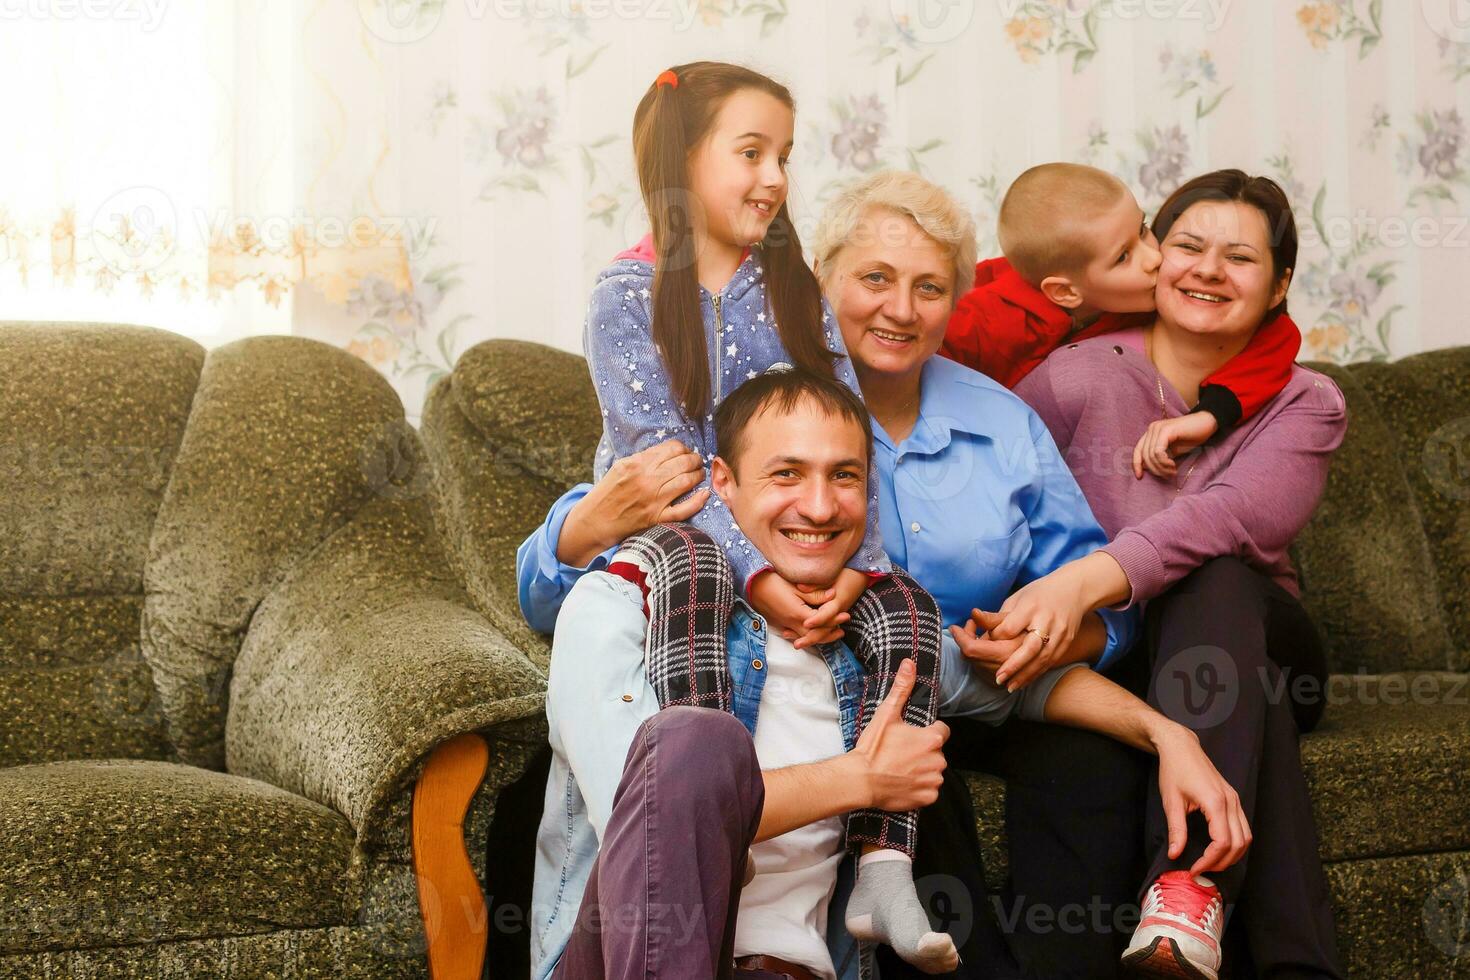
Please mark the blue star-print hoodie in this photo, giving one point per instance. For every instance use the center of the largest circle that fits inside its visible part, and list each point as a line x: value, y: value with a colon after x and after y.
x: 639, y: 408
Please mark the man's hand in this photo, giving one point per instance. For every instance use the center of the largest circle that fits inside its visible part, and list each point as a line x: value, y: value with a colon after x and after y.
x: 977, y: 646
x: 1188, y: 781
x: 788, y: 607
x: 1166, y: 440
x: 635, y: 493
x: 903, y: 765
x: 894, y: 767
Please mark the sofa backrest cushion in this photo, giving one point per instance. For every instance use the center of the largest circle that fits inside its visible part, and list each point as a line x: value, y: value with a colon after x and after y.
x: 93, y: 417
x: 1368, y: 578
x: 535, y: 405
x: 1425, y: 401
x: 288, y: 438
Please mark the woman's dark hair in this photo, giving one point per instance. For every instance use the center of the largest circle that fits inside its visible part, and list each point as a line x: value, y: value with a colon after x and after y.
x: 1261, y: 193
x: 669, y: 123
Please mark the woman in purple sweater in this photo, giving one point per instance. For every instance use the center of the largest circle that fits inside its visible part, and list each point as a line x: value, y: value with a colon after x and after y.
x: 1230, y: 651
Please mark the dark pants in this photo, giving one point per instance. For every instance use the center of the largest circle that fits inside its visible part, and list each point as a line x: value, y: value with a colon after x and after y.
x: 1072, y: 819
x: 1235, y: 657
x: 665, y: 888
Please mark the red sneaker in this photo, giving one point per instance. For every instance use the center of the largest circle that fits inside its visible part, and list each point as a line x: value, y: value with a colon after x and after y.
x: 1179, y: 935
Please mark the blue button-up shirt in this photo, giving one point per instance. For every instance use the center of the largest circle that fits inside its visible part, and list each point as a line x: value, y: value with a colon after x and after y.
x: 977, y: 501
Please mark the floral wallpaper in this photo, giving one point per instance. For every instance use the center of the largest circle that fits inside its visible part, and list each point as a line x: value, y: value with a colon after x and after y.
x: 488, y: 140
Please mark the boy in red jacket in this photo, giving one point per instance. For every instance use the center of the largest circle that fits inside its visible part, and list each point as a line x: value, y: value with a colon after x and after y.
x: 1079, y: 258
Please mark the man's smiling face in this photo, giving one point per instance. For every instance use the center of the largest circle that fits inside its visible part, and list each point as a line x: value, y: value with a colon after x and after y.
x: 798, y: 489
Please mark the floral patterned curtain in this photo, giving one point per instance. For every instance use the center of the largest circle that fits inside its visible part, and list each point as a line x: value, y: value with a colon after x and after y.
x: 481, y: 147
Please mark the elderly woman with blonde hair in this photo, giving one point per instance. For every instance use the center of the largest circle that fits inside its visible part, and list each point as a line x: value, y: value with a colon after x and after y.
x: 975, y: 502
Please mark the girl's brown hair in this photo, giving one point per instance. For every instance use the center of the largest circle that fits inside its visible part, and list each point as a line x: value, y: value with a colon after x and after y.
x: 1261, y: 193
x: 671, y: 120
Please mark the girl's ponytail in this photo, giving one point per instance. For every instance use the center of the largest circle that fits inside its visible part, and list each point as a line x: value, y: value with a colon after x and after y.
x: 673, y: 116
x: 661, y: 147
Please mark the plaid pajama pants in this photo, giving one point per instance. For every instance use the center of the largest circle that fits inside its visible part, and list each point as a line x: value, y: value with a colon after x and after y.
x: 689, y: 594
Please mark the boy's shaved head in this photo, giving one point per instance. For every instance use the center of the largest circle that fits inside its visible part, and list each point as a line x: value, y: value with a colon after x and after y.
x: 1045, y: 215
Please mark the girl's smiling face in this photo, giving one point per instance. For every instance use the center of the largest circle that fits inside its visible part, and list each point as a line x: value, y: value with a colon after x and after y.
x: 737, y: 173
x: 1217, y: 275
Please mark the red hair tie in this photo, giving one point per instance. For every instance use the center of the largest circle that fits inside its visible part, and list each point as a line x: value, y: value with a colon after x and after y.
x: 667, y: 78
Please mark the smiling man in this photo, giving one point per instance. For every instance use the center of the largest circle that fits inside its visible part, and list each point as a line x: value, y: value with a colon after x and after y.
x: 676, y: 842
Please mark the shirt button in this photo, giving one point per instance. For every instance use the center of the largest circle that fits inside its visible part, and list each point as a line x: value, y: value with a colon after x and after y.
x: 756, y: 625
x: 757, y: 664
x: 915, y: 527
x: 1117, y: 349
x: 627, y: 697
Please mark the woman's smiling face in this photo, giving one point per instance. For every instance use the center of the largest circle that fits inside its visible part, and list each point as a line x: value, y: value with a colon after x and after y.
x: 1217, y: 275
x: 892, y: 290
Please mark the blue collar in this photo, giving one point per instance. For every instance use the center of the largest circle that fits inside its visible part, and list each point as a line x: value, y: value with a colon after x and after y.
x: 952, y: 399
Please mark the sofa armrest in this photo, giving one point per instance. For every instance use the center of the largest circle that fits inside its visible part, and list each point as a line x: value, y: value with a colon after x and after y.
x: 364, y: 658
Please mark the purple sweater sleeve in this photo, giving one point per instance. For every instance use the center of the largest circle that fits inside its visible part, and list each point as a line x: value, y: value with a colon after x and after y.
x: 1256, y: 506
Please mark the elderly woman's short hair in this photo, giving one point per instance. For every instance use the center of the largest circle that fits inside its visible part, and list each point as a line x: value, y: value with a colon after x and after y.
x: 930, y: 206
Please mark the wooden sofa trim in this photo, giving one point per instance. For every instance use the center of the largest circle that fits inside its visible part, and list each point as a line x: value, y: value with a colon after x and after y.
x: 450, y: 900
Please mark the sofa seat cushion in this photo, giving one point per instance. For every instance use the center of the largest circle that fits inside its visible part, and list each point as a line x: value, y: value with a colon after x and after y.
x: 1389, y: 766
x: 102, y: 853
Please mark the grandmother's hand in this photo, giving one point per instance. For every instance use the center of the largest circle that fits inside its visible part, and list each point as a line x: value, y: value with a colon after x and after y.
x: 636, y: 492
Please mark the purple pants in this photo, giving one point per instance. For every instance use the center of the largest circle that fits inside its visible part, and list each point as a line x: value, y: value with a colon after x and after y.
x: 664, y: 892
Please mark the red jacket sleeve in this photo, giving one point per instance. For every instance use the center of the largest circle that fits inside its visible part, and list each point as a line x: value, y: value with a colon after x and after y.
x: 1253, y: 377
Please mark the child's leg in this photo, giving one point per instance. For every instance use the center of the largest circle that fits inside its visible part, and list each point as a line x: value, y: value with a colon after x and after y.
x: 894, y: 620
x: 688, y: 595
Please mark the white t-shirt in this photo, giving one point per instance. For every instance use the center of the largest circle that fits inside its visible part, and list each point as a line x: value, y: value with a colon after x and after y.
x: 783, y: 911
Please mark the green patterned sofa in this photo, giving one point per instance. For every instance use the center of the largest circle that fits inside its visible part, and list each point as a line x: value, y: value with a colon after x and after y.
x: 229, y: 639
x: 1386, y: 570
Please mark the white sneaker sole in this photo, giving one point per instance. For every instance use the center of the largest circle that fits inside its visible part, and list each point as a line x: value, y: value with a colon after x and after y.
x: 1161, y: 958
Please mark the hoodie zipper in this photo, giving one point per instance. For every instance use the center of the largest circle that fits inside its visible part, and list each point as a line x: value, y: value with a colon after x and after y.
x: 719, y: 339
